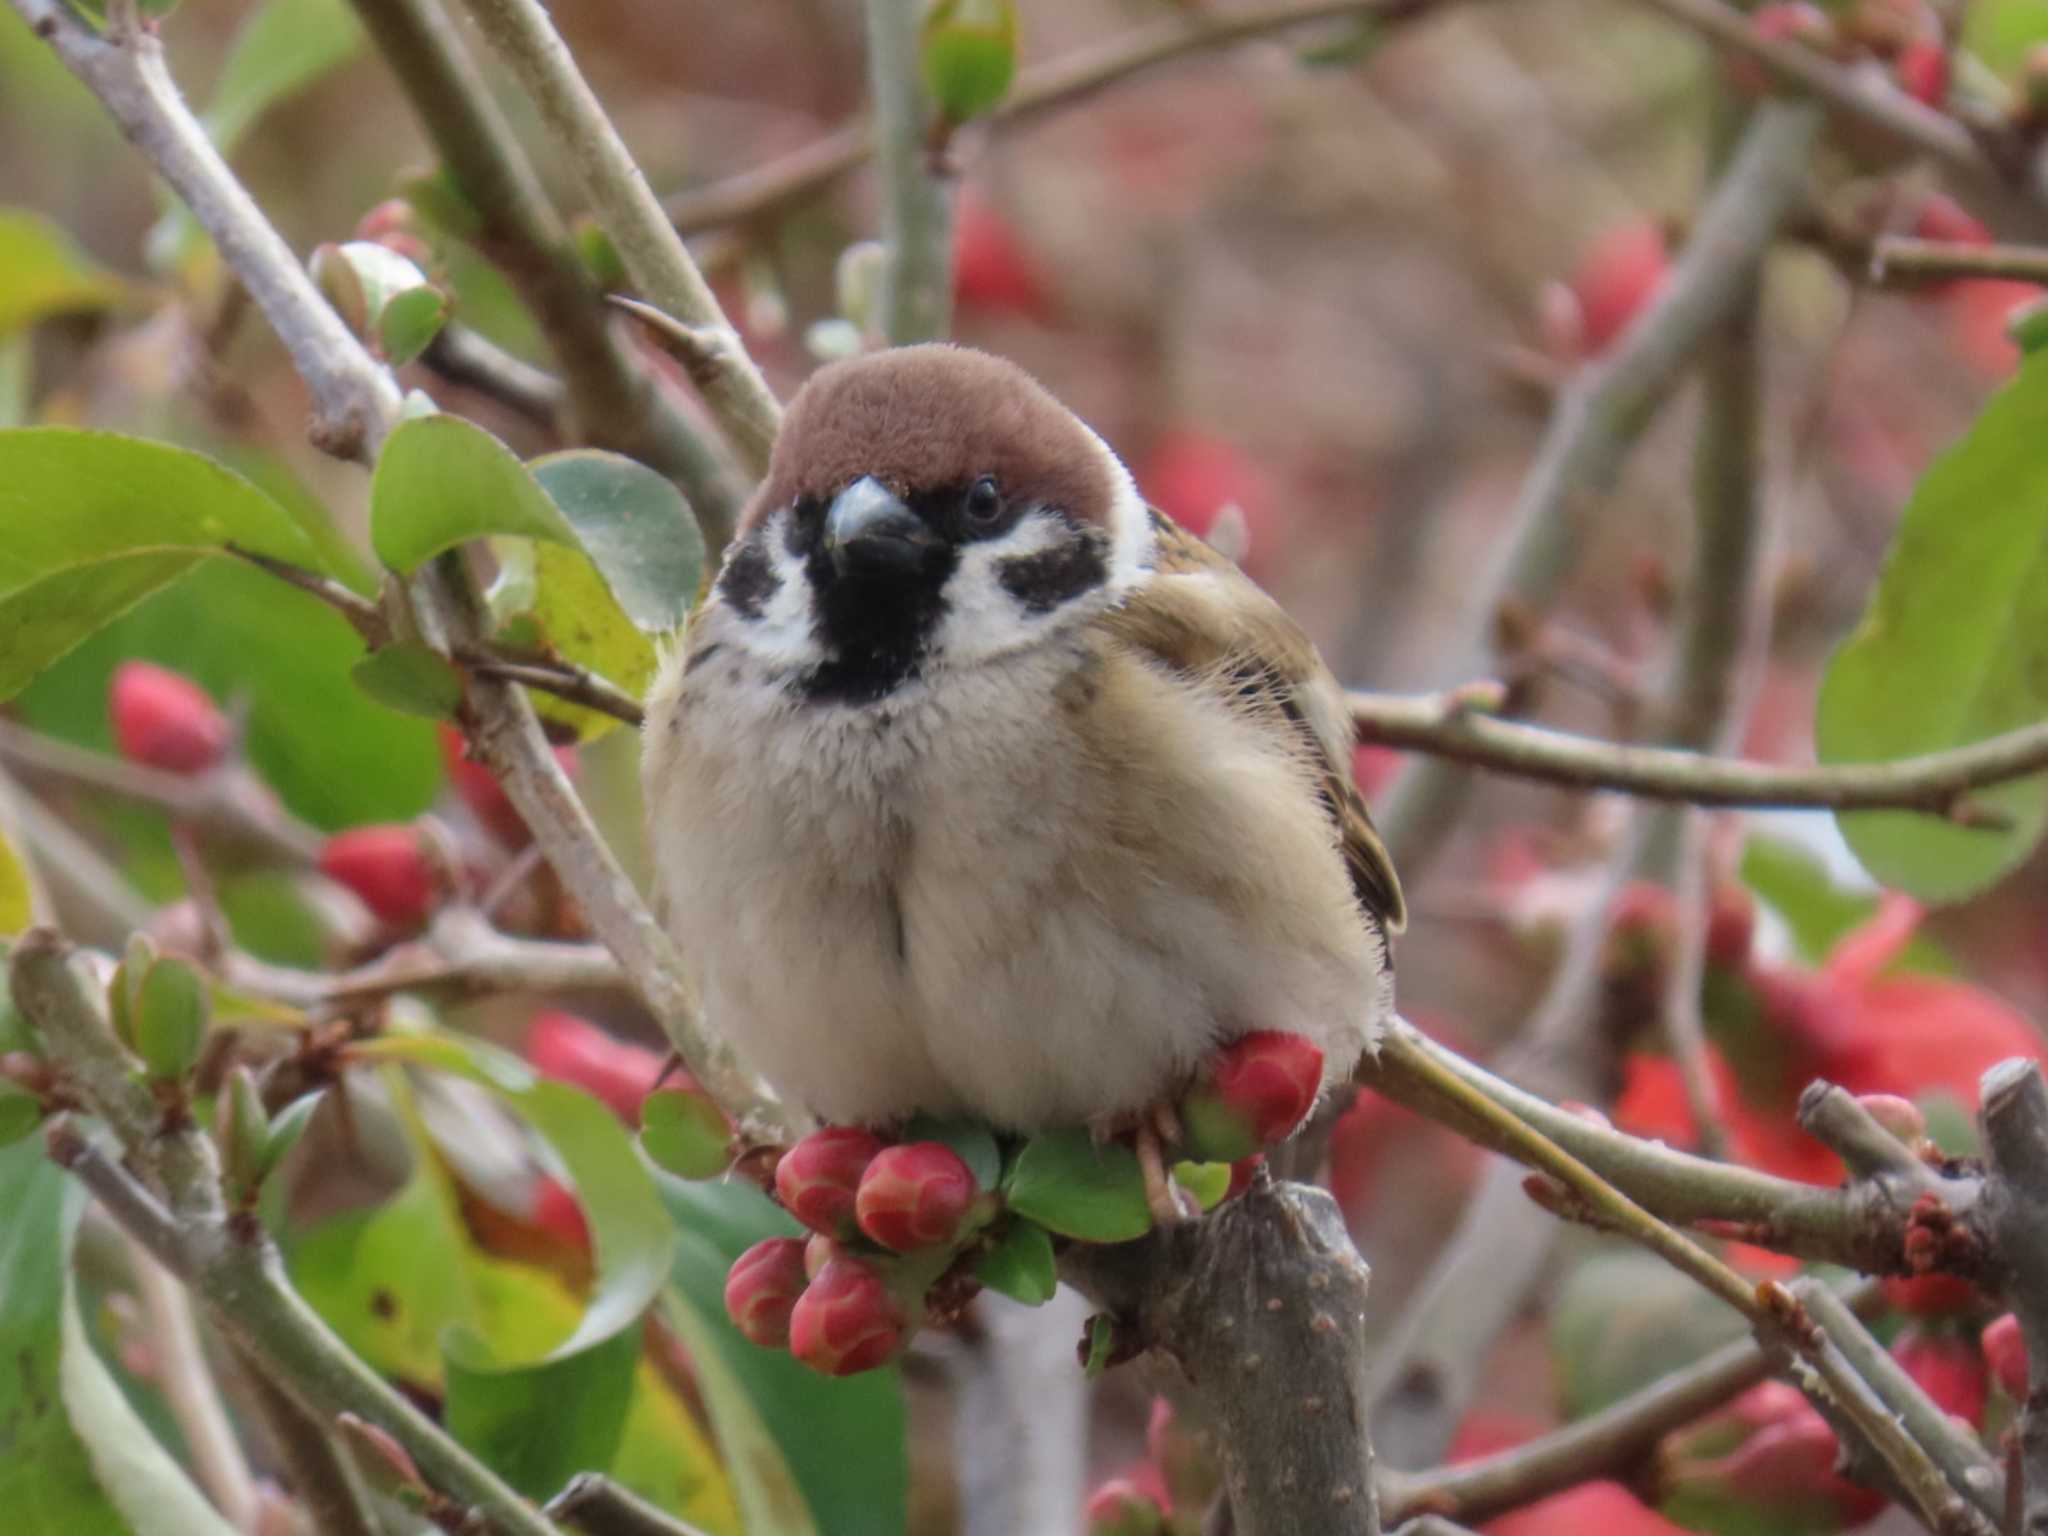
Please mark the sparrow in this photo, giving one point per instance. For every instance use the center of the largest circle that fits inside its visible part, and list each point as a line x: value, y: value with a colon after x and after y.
x: 978, y: 788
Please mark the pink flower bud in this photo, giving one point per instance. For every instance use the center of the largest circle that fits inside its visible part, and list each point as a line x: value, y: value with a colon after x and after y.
x: 571, y: 1049
x: 163, y: 720
x: 818, y: 1177
x: 479, y: 789
x: 1949, y: 1369
x: 2006, y: 1351
x: 915, y: 1196
x: 1619, y: 276
x: 847, y: 1321
x: 1922, y: 72
x: 1259, y: 1087
x: 387, y: 868
x: 1121, y: 1508
x: 764, y: 1285
x: 1902, y: 1117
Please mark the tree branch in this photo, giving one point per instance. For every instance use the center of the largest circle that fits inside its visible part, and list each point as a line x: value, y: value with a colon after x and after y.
x: 1043, y: 87
x: 1936, y: 783
x: 231, y: 1265
x: 646, y: 242
x: 1599, y: 417
x: 917, y: 202
x: 1901, y: 259
x: 125, y: 69
x: 2014, y: 1115
x: 597, y: 1506
x: 614, y: 403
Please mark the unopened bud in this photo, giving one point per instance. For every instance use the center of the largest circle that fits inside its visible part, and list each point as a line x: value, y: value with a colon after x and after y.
x: 818, y: 1178
x: 846, y: 1321
x: 763, y: 1287
x: 915, y: 1196
x: 1258, y: 1089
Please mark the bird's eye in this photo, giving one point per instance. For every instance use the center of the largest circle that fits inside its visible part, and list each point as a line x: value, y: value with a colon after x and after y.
x: 984, y: 501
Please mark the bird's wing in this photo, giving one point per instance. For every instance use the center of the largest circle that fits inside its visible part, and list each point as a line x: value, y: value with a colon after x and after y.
x: 1202, y: 617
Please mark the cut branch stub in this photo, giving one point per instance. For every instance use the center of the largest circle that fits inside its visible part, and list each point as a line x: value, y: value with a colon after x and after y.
x: 1262, y: 1307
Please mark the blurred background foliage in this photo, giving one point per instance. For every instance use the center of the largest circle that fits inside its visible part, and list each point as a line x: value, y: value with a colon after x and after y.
x: 1323, y: 287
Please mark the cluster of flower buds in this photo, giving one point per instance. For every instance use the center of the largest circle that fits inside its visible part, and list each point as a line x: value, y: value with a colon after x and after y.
x: 887, y: 1223
x: 905, y: 1230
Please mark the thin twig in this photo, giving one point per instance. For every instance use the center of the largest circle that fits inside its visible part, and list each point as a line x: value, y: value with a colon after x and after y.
x: 226, y: 802
x: 1044, y: 87
x: 597, y: 1506
x: 564, y: 679
x: 917, y: 201
x: 328, y: 1487
x: 472, y: 360
x: 2014, y: 1116
x: 363, y: 615
x: 1936, y: 783
x: 353, y: 398
x: 1600, y: 416
x: 646, y: 242
x: 612, y: 401
x: 1903, y: 259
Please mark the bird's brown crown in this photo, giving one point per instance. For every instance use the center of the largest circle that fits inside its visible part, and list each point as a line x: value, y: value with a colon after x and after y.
x: 925, y: 417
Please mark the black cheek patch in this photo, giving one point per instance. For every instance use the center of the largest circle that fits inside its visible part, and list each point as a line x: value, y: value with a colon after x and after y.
x: 1041, y: 582
x: 748, y: 581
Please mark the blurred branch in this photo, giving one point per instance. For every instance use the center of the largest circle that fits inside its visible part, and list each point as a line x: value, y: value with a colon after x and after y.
x: 1902, y: 259
x: 614, y: 403
x: 646, y: 242
x: 1937, y: 783
x: 1599, y: 1445
x: 564, y: 679
x: 227, y: 1260
x: 460, y: 954
x: 1056, y: 83
x: 189, y: 1389
x: 1262, y: 1306
x: 1862, y: 1225
x: 917, y: 199
x: 597, y: 1506
x: 1964, y: 1464
x: 1599, y: 417
x: 322, y: 1477
x: 226, y: 802
x: 1020, y: 1417
x: 2014, y: 1115
x: 353, y: 397
x: 472, y: 360
x: 86, y: 889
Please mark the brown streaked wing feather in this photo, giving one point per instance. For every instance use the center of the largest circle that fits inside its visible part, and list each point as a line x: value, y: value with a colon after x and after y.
x: 1261, y: 660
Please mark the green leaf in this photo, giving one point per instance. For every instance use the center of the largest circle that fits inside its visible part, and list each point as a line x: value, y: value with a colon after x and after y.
x: 685, y: 1134
x: 412, y: 680
x: 968, y: 53
x: 1954, y: 647
x: 333, y: 755
x: 284, y: 47
x: 383, y: 297
x: 635, y: 527
x: 629, y: 1229
x: 2003, y: 32
x: 1021, y: 1264
x: 974, y: 1143
x: 1065, y: 1182
x: 409, y: 321
x: 95, y: 522
x: 515, y: 1420
x: 43, y: 272
x: 571, y: 614
x: 17, y: 896
x: 286, y: 1129
x: 1207, y: 1182
x: 442, y: 481
x: 1796, y: 886
x: 74, y: 1456
x: 170, y: 1019
x: 842, y: 1443
x: 20, y: 1112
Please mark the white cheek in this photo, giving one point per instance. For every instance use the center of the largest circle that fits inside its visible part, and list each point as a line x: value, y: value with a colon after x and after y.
x: 782, y: 634
x: 1131, y: 538
x: 983, y: 618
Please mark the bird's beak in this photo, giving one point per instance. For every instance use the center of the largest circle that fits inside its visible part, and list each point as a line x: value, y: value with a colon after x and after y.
x: 870, y: 529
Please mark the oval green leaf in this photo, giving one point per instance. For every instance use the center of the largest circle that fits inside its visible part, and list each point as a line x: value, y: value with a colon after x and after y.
x: 685, y: 1134
x: 968, y: 54
x: 635, y: 527
x: 442, y: 481
x: 1021, y: 1265
x: 1953, y: 648
x: 412, y: 680
x: 170, y: 1019
x: 43, y: 272
x: 1066, y: 1183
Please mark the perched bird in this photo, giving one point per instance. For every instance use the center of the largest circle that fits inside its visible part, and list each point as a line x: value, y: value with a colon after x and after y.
x: 978, y: 788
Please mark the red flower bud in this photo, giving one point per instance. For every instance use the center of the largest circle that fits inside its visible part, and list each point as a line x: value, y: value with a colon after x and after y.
x: 2006, y: 1352
x: 1618, y: 277
x: 818, y: 1178
x: 1242, y: 1172
x: 163, y: 720
x: 1902, y: 1117
x: 387, y: 868
x: 1731, y: 927
x: 1922, y: 72
x: 1788, y: 1466
x: 557, y: 1212
x: 1932, y: 1295
x: 574, y: 1050
x: 764, y: 1285
x: 1949, y: 1369
x: 1121, y: 1508
x: 915, y: 1196
x: 1941, y: 217
x: 1258, y: 1090
x: 846, y: 1321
